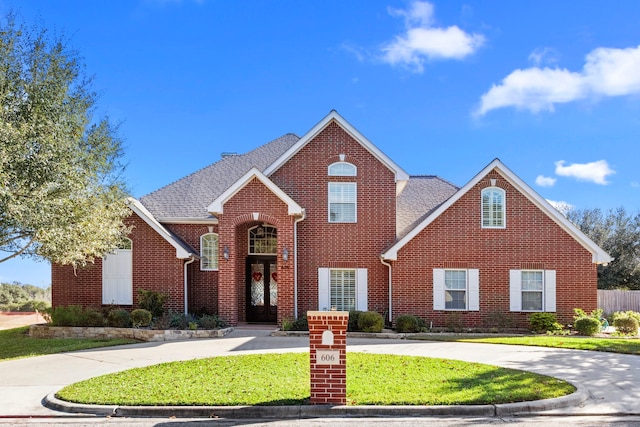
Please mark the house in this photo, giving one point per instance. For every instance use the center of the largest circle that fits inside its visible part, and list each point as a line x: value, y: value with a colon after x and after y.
x: 327, y: 220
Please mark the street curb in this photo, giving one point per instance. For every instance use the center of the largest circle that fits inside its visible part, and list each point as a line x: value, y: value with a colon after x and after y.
x: 313, y: 411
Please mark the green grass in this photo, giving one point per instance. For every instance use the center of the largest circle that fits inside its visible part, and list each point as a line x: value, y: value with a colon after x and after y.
x: 16, y: 343
x: 612, y: 345
x: 283, y: 379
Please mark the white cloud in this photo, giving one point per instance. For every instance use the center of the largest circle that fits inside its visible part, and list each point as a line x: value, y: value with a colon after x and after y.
x: 543, y: 55
x: 596, y: 172
x: 562, y: 207
x: 545, y: 181
x: 422, y: 41
x: 607, y: 72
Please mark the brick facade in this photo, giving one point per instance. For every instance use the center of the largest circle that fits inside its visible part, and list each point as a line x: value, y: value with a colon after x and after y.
x: 530, y: 240
x: 455, y: 239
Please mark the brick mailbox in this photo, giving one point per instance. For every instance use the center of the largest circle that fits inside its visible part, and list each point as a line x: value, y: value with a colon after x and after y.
x: 328, y: 356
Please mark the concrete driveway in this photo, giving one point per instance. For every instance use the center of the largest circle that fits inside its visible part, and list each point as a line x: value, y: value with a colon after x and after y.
x: 612, y: 381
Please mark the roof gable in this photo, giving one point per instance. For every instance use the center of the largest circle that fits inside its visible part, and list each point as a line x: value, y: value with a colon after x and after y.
x: 217, y: 206
x: 599, y: 256
x: 400, y: 175
x: 183, y: 251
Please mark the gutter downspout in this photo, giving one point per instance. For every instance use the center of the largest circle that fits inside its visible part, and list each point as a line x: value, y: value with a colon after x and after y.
x: 295, y: 262
x: 186, y: 302
x: 390, y: 288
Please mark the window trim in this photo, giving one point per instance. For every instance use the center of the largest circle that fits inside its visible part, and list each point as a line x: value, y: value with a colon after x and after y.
x: 548, y: 291
x: 341, y: 163
x: 355, y: 202
x: 217, y: 253
x: 324, y: 288
x: 472, y: 289
x: 504, y: 208
x: 265, y: 226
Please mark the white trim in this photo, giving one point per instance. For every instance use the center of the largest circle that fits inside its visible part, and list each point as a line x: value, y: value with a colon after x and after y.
x: 217, y: 251
x: 182, y: 250
x: 473, y: 285
x: 342, y: 162
x: 216, y: 207
x: 355, y: 202
x: 207, y: 221
x: 504, y: 207
x: 548, y: 291
x: 400, y: 175
x: 361, y: 289
x: 324, y: 284
x: 599, y: 256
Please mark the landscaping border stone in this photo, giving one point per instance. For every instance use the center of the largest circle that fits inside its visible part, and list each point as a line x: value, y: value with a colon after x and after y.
x: 149, y: 335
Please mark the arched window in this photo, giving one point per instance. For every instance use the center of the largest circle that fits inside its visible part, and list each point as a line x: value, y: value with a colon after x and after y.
x: 263, y: 240
x: 342, y: 169
x: 493, y: 208
x: 209, y: 251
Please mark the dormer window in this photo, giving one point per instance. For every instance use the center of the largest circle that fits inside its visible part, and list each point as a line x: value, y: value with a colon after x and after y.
x: 493, y: 208
x: 342, y: 169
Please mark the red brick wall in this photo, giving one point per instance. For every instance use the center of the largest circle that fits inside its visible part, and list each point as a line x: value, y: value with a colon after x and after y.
x: 456, y: 240
x: 233, y: 224
x: 323, y: 244
x: 155, y: 267
x: 203, y: 285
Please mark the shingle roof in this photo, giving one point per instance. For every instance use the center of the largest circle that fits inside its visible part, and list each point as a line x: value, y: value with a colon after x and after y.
x: 190, y: 196
x: 419, y: 198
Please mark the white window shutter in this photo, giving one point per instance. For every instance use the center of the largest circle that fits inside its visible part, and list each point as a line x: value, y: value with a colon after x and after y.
x: 438, y: 289
x: 474, y: 289
x: 550, y: 290
x: 323, y: 289
x: 361, y: 289
x: 515, y: 290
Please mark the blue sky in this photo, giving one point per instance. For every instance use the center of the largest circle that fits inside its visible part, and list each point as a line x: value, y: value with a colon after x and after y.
x: 552, y: 88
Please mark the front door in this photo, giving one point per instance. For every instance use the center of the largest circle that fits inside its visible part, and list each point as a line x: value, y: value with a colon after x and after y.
x: 262, y: 289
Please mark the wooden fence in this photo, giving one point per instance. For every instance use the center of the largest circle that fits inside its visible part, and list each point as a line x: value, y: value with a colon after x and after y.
x: 615, y: 300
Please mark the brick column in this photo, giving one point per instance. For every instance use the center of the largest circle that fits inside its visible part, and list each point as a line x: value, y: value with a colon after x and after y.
x: 328, y: 356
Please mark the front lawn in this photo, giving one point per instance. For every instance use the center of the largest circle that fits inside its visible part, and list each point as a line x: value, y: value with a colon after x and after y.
x: 283, y: 379
x: 612, y: 345
x: 16, y: 343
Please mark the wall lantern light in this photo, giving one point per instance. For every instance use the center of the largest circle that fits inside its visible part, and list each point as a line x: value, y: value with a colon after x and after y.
x: 285, y: 254
x: 225, y: 253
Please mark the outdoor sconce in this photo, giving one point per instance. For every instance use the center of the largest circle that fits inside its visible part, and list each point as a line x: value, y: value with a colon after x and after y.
x: 225, y: 253
x: 285, y: 254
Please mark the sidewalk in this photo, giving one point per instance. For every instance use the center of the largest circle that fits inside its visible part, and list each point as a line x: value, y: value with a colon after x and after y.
x: 610, y: 382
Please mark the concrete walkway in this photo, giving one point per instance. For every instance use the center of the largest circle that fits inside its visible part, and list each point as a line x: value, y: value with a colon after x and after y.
x: 611, y: 381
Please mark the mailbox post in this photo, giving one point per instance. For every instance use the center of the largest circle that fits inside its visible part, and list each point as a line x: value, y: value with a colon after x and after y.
x: 328, y: 356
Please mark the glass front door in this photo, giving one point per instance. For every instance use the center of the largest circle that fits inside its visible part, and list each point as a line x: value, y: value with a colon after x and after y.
x: 262, y: 289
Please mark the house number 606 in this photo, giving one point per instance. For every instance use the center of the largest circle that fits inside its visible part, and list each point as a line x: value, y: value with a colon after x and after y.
x: 327, y: 357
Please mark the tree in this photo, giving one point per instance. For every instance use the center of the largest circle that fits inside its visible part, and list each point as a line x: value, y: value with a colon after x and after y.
x: 618, y: 233
x: 62, y: 196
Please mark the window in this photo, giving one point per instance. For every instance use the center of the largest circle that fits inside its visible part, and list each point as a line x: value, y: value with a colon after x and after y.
x: 532, y: 290
x: 209, y: 252
x: 342, y: 169
x: 342, y: 202
x: 493, y: 209
x: 344, y: 289
x: 263, y: 240
x: 456, y: 289
x: 117, y: 275
x: 342, y: 294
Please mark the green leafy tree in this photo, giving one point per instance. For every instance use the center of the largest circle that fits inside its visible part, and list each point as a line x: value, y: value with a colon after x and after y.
x: 62, y: 196
x: 618, y: 233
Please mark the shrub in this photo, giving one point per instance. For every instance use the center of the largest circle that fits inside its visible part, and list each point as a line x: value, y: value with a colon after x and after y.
x: 300, y: 324
x: 587, y: 325
x: 211, y: 321
x: 92, y: 317
x: 70, y: 315
x: 409, y: 323
x: 498, y: 320
x: 544, y: 322
x: 628, y: 313
x: 152, y: 301
x: 626, y: 325
x: 141, y: 318
x: 119, y: 318
x: 181, y: 320
x: 370, y: 321
x: 352, y: 326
